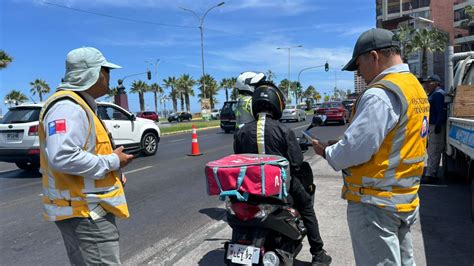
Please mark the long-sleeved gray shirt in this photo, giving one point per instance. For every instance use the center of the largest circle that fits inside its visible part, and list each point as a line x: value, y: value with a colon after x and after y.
x: 377, y: 114
x: 64, y: 148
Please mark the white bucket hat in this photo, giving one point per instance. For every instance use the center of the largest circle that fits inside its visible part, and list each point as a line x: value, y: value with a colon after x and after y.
x: 83, y: 68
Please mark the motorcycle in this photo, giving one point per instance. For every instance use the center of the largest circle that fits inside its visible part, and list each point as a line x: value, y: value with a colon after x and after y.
x: 267, y: 230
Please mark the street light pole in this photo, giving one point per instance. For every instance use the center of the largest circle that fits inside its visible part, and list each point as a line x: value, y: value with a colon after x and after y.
x: 289, y: 57
x: 326, y: 68
x: 201, y: 22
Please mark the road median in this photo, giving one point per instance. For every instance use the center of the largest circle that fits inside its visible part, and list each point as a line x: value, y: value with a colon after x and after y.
x: 187, y: 127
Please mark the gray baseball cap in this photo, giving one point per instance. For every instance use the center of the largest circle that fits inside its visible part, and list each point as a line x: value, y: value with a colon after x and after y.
x: 82, y: 69
x: 433, y: 77
x: 373, y: 39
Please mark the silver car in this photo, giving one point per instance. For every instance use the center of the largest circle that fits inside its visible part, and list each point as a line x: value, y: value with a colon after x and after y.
x: 293, y: 113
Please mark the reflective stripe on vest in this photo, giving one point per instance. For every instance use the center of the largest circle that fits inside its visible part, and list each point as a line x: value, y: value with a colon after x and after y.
x: 243, y: 111
x: 262, y: 117
x: 390, y: 179
x: 67, y: 196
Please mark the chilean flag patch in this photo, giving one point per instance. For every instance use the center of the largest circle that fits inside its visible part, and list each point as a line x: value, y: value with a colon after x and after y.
x: 57, y: 126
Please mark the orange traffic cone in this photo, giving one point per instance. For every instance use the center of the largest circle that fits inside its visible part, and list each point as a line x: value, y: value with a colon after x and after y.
x: 194, y: 144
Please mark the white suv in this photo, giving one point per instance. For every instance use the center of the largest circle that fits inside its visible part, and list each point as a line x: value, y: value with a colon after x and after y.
x: 19, y: 142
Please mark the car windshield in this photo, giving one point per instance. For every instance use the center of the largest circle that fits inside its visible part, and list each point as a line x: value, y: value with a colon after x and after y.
x: 21, y: 115
x: 229, y: 107
x: 331, y: 105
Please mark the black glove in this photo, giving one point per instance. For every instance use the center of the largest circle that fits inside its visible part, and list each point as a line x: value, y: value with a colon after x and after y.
x: 437, y: 129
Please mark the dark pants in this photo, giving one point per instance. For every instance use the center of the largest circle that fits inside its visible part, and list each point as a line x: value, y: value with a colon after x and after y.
x: 90, y: 242
x: 304, y: 204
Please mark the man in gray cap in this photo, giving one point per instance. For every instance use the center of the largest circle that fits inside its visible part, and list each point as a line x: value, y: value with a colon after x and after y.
x: 82, y: 182
x: 436, y: 136
x: 382, y: 153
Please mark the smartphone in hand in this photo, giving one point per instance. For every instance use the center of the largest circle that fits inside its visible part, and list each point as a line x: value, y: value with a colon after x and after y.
x: 309, y: 136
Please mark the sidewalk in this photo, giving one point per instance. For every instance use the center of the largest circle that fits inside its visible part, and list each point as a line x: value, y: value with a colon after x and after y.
x: 331, y: 212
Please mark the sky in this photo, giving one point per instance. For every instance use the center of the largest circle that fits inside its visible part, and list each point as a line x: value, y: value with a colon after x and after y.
x: 241, y: 35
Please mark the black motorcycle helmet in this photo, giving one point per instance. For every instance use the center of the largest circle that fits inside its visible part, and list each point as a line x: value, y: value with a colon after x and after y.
x: 268, y: 98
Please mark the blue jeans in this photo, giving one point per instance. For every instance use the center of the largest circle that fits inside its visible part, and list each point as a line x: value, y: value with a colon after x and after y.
x: 380, y: 237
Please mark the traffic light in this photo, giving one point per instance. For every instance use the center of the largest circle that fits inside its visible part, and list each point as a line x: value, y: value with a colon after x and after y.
x: 326, y: 67
x: 148, y: 74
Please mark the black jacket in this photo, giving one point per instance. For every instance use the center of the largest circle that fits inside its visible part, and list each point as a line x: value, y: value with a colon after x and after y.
x: 279, y: 140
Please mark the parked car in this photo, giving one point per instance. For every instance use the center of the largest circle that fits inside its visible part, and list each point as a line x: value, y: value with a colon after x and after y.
x: 228, y: 116
x: 293, y: 113
x: 179, y: 117
x: 215, y: 114
x: 149, y: 115
x: 19, y: 141
x: 334, y: 111
x: 129, y: 131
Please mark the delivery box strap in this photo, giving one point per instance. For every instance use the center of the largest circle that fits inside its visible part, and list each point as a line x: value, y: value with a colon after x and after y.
x: 236, y: 193
x: 64, y: 203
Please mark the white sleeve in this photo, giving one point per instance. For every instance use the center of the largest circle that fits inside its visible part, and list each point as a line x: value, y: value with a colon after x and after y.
x: 377, y: 114
x: 64, y: 147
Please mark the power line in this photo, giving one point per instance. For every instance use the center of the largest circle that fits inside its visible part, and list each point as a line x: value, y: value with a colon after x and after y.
x: 119, y: 18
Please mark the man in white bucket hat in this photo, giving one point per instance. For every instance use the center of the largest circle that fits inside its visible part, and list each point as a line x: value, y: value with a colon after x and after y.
x: 82, y: 181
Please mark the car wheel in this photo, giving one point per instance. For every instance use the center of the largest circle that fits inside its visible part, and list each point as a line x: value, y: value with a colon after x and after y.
x: 28, y: 166
x: 149, y: 143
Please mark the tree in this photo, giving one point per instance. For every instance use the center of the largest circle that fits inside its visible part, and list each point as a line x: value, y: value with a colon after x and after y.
x: 427, y: 41
x: 270, y: 75
x: 185, y: 84
x: 170, y: 82
x: 156, y: 89
x: 234, y: 94
x: 227, y: 83
x: 284, y: 84
x: 309, y: 93
x: 211, y: 89
x: 326, y: 98
x: 39, y: 86
x: 140, y: 87
x: 15, y: 97
x: 111, y: 94
x: 404, y: 35
x: 5, y: 59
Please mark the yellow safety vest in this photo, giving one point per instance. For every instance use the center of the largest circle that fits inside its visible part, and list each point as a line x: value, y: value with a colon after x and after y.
x: 66, y: 196
x: 391, y: 178
x: 243, y: 111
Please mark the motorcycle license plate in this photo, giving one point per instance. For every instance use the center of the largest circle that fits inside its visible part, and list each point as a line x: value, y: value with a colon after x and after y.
x: 241, y: 254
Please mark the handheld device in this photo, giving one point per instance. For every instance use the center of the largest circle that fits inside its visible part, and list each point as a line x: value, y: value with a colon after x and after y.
x: 309, y: 136
x: 135, y: 151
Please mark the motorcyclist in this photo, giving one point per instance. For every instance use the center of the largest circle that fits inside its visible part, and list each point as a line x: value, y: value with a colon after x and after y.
x: 266, y: 135
x: 245, y: 85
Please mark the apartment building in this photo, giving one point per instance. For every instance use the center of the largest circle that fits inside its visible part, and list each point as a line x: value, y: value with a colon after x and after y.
x: 464, y: 25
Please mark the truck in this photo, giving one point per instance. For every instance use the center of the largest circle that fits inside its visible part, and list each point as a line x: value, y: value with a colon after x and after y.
x: 458, y: 160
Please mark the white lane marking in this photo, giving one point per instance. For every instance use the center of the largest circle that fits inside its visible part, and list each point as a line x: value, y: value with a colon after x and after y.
x: 176, y: 140
x: 136, y: 170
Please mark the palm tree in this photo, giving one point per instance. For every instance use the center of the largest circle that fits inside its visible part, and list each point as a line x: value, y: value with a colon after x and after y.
x: 309, y: 93
x: 140, y: 87
x: 15, y: 97
x: 156, y: 89
x: 5, y: 59
x: 270, y: 75
x: 185, y: 84
x: 111, y: 94
x: 170, y: 82
x: 234, y: 94
x: 284, y: 84
x: 227, y: 83
x: 39, y: 86
x: 426, y: 41
x: 211, y: 89
x: 404, y: 35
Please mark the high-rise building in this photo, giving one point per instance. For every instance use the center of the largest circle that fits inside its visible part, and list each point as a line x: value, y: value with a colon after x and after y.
x: 359, y: 83
x: 464, y: 25
x: 420, y: 14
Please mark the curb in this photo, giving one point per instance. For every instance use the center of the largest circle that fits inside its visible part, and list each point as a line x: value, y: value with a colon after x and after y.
x: 187, y: 130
